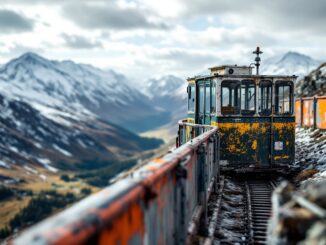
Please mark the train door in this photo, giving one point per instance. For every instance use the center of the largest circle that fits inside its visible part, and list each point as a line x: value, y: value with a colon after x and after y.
x: 204, y: 102
x: 283, y: 123
x: 265, y: 112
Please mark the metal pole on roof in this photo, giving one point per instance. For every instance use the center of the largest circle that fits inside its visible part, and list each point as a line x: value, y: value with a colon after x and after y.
x: 257, y: 59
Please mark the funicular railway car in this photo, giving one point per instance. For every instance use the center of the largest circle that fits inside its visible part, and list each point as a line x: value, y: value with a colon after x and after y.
x: 254, y: 114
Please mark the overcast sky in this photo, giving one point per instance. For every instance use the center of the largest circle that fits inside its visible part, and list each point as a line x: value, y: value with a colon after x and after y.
x: 145, y: 38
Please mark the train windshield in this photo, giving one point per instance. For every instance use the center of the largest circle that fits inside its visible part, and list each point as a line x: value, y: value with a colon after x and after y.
x: 230, y: 98
x: 265, y: 98
x: 248, y: 97
x: 191, y: 98
x: 283, y: 98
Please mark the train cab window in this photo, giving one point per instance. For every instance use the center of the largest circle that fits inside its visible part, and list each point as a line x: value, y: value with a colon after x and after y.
x: 283, y: 98
x: 213, y: 102
x: 248, y: 97
x: 191, y: 98
x: 230, y: 99
x: 265, y: 98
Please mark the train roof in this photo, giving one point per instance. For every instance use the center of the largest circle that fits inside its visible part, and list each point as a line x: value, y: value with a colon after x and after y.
x: 243, y: 76
x: 235, y: 71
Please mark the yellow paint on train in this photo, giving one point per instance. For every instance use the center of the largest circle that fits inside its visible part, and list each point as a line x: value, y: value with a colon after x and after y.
x: 281, y: 157
x: 254, y: 145
x: 236, y: 130
x: 244, y: 128
x: 190, y: 120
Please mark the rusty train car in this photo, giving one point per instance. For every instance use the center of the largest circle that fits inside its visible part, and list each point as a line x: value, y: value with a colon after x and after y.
x: 311, y: 112
x: 254, y: 114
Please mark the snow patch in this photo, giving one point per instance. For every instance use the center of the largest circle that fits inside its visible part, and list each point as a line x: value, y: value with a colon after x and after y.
x: 34, y: 171
x: 46, y: 163
x: 3, y: 164
x: 64, y: 152
x: 43, y: 177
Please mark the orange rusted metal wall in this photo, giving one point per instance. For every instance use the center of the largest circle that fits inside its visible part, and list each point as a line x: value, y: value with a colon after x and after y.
x: 321, y: 113
x: 154, y: 204
x: 308, y: 113
x: 311, y: 112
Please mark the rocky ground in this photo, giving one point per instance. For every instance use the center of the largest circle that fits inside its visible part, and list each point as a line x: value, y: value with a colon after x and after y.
x: 299, y: 208
x: 311, y: 154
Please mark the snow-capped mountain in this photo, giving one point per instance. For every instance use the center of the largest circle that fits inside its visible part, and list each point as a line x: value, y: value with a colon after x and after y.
x: 291, y: 63
x: 74, y: 89
x: 164, y: 86
x: 166, y: 92
x: 55, y: 113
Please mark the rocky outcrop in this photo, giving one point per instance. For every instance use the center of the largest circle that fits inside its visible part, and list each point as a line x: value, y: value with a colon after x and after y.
x: 313, y: 84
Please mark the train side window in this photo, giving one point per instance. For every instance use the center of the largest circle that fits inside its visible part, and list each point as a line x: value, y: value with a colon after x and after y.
x: 201, y: 98
x: 248, y: 97
x: 283, y: 98
x: 265, y: 98
x: 207, y: 97
x: 191, y: 98
x: 213, y: 91
x: 230, y: 99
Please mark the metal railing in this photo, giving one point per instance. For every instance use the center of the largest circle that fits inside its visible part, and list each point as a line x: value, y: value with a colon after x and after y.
x: 188, y: 131
x: 162, y: 202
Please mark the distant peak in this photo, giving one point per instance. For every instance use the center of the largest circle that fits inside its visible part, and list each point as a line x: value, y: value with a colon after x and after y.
x: 30, y: 55
x: 293, y: 54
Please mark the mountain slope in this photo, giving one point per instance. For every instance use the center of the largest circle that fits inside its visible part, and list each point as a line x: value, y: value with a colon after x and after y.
x: 314, y: 83
x: 291, y: 63
x: 28, y: 137
x: 76, y: 89
x: 168, y: 93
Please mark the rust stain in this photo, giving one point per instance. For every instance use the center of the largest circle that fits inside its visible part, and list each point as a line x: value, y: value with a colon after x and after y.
x: 159, y: 161
x: 127, y: 226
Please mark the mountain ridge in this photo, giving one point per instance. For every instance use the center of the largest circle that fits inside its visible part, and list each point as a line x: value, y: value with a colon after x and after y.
x: 77, y: 89
x: 290, y: 63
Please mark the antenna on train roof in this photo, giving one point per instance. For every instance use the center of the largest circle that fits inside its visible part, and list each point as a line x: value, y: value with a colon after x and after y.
x: 257, y: 59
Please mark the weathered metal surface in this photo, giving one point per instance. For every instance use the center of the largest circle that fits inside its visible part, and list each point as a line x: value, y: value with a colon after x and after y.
x: 311, y: 112
x: 321, y: 113
x: 153, y: 205
x: 245, y: 140
x: 308, y: 113
x: 283, y: 140
x: 298, y: 112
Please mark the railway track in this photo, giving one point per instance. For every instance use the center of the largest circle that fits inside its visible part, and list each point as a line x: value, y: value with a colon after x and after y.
x: 259, y: 209
x: 239, y: 212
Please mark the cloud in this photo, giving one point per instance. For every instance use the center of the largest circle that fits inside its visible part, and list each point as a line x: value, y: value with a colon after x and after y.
x: 290, y: 15
x: 80, y: 42
x: 11, y: 22
x: 109, y: 16
x: 18, y: 49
